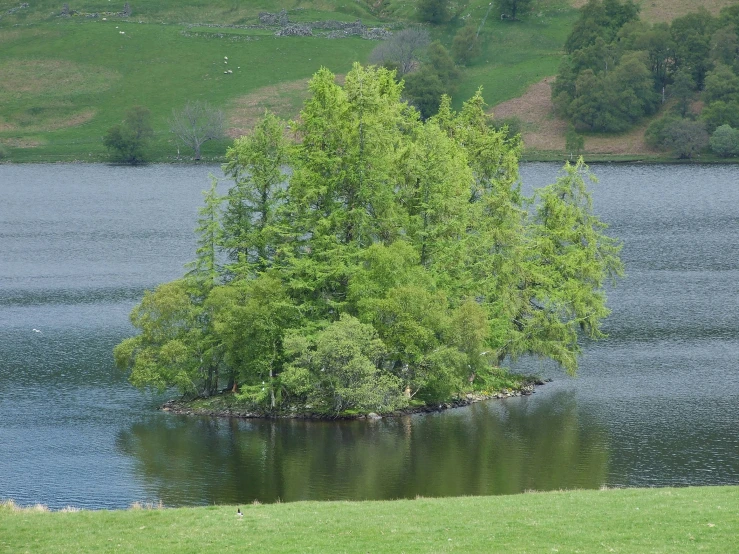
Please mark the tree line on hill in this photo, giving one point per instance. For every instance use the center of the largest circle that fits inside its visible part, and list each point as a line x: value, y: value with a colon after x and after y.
x: 364, y: 257
x: 619, y: 69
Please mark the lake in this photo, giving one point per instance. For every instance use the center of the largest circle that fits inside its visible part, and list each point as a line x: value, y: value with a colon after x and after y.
x: 654, y: 404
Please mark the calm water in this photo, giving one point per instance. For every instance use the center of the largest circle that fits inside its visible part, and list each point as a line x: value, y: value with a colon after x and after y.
x: 655, y: 404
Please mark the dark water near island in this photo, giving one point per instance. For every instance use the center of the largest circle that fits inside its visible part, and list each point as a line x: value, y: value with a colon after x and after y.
x: 656, y: 404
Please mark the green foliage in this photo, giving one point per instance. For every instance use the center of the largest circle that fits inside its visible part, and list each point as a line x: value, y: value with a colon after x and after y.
x: 600, y: 19
x: 655, y: 134
x: 720, y: 113
x: 174, y: 347
x: 438, y: 75
x: 434, y: 11
x: 3, y: 152
x: 721, y: 84
x: 685, y: 137
x: 511, y: 9
x: 424, y: 89
x: 607, y: 82
x: 682, y: 90
x: 618, y: 67
x: 725, y: 141
x: 574, y: 142
x: 127, y: 141
x: 396, y: 258
x: 256, y: 164
x: 466, y: 44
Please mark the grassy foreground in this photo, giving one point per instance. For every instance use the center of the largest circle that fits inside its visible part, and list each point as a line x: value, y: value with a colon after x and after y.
x: 702, y: 519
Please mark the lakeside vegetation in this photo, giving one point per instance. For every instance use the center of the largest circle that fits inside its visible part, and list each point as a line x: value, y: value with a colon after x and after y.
x: 616, y: 520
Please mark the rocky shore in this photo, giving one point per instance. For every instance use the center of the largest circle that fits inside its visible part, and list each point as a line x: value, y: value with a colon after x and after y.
x: 224, y: 408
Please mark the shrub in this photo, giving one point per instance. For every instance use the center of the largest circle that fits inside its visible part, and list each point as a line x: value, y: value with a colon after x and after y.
x: 686, y: 138
x: 725, y: 141
x: 128, y: 140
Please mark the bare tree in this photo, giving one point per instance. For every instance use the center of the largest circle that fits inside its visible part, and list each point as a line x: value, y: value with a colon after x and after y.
x: 196, y: 124
x: 402, y: 50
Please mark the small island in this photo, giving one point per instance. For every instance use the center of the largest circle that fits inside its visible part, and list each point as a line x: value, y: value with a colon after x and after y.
x: 367, y: 261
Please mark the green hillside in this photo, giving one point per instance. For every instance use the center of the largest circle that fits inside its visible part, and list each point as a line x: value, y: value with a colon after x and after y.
x: 64, y: 80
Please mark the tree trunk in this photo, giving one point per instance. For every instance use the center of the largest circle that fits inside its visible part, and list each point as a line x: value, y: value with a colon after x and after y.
x: 196, y: 147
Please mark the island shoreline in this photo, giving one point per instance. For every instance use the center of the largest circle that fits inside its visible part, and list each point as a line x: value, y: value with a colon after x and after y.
x: 179, y: 406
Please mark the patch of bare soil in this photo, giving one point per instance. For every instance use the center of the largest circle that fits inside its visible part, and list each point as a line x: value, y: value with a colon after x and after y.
x: 667, y: 10
x: 542, y: 130
x: 283, y: 99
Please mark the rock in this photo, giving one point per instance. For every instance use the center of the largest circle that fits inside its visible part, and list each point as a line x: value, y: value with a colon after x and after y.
x: 295, y: 30
x: 266, y: 18
x: 373, y: 415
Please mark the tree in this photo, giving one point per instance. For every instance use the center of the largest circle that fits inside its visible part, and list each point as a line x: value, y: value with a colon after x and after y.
x: 403, y: 50
x: 196, y: 124
x: 439, y: 59
x: 725, y: 141
x: 466, y: 44
x: 424, y: 89
x: 721, y: 84
x: 128, y: 140
x: 256, y: 164
x: 433, y: 11
x: 682, y: 90
x: 720, y: 113
x: 393, y: 257
x: 574, y: 142
x: 509, y: 9
x: 685, y: 138
x: 572, y: 250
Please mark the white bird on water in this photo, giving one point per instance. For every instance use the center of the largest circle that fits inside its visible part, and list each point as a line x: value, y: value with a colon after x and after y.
x: 36, y: 331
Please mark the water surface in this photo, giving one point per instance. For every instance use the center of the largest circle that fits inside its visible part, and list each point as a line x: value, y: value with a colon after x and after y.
x: 655, y: 404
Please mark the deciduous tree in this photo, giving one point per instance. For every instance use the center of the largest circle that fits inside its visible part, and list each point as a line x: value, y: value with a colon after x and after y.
x: 197, y: 123
x: 128, y: 140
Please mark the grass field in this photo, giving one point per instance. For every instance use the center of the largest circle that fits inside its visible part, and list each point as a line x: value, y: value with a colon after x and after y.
x: 65, y: 81
x: 629, y: 521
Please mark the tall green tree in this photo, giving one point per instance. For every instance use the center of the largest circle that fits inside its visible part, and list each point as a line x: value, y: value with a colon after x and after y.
x: 257, y: 165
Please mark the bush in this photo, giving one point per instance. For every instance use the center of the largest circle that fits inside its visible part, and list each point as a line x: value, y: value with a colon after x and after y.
x: 433, y: 11
x: 466, y: 44
x: 511, y: 125
x: 686, y: 138
x: 654, y: 136
x: 725, y: 141
x: 128, y: 140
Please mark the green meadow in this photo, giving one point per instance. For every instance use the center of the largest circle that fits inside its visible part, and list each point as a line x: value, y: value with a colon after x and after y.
x: 632, y: 521
x: 65, y: 80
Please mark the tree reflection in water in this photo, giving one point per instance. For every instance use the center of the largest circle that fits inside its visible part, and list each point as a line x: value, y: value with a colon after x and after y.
x: 499, y: 447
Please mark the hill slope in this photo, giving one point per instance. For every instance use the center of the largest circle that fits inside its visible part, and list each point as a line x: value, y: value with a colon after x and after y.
x: 66, y: 78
